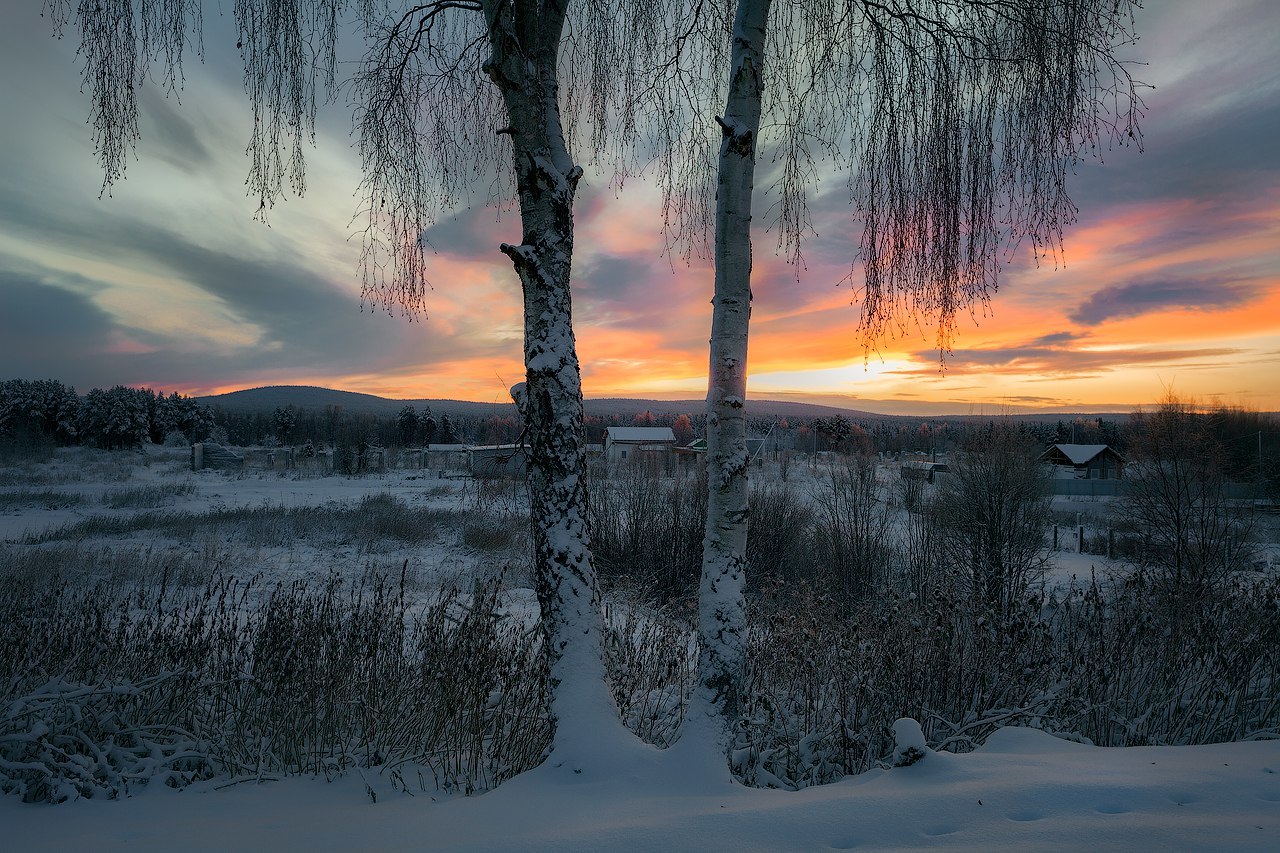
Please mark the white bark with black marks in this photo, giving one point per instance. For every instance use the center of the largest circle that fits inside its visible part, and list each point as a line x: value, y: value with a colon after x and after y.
x: 957, y: 124
x: 722, y: 617
x: 523, y: 67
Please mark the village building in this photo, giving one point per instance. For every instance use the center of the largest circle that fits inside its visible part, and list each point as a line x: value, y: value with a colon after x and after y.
x: 497, y: 460
x: 692, y: 457
x: 445, y: 457
x: 921, y: 469
x: 623, y: 443
x: 1085, y: 461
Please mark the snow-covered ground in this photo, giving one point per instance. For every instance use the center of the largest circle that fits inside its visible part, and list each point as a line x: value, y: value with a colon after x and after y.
x: 92, y: 477
x: 1023, y: 790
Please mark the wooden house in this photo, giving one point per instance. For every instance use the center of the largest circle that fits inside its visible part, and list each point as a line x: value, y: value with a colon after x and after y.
x: 1086, y: 461
x: 623, y: 443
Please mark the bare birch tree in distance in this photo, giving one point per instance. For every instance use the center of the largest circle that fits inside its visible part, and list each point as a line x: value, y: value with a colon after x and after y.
x: 956, y: 124
x: 454, y: 98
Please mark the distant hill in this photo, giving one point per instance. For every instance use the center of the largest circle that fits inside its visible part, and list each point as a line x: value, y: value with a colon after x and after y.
x: 268, y: 399
x: 1044, y: 417
x: 272, y: 397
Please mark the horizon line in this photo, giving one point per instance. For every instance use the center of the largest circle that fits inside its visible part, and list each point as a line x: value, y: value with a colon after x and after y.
x: 946, y: 408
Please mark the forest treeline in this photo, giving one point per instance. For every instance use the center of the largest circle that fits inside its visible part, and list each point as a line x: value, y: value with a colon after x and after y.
x: 47, y: 413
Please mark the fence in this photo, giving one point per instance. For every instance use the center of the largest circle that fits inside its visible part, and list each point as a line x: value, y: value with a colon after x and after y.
x: 1117, y: 488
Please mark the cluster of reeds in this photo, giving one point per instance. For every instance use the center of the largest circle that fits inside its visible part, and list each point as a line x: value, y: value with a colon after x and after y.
x: 109, y: 686
x: 1115, y: 664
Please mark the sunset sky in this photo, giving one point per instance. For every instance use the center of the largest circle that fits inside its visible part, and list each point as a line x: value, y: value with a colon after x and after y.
x: 1170, y: 279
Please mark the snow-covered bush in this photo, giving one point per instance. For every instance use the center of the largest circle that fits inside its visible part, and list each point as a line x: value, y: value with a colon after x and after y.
x: 991, y: 511
x: 1103, y: 665
x: 65, y: 740
x: 647, y: 530
x: 853, y: 530
x: 651, y: 657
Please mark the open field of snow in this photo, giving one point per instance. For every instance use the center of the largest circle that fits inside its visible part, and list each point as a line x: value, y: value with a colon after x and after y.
x: 61, y: 501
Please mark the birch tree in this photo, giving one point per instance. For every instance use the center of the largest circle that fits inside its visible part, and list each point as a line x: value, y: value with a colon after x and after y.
x: 956, y: 124
x: 455, y: 101
x: 991, y: 512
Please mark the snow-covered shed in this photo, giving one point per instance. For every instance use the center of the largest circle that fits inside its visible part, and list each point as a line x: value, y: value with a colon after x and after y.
x: 446, y: 457
x: 922, y: 469
x: 620, y: 443
x: 1086, y: 461
x: 497, y: 460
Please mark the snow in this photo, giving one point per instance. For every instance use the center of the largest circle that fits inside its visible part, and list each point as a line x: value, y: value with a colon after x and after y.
x: 1024, y: 790
x: 908, y: 742
x: 616, y: 433
x: 1079, y: 454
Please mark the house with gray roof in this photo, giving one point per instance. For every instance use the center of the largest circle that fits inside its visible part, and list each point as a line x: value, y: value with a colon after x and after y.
x: 623, y: 443
x: 1086, y: 461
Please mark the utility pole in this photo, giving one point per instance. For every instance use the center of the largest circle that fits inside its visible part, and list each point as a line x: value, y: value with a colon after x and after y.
x: 1261, y: 472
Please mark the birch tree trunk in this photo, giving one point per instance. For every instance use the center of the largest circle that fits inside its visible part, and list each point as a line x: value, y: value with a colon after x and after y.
x: 722, y: 618
x: 525, y: 37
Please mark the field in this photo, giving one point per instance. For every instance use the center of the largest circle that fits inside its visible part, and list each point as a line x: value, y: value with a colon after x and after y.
x: 207, y: 647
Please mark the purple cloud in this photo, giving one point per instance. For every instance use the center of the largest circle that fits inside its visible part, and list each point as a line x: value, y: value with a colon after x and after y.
x: 1133, y: 300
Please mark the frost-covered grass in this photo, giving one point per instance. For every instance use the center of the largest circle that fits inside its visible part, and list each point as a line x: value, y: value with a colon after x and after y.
x: 373, y: 519
x: 18, y: 499
x: 113, y: 686
x: 70, y: 565
x: 72, y: 465
x: 228, y: 675
x: 149, y: 496
x: 1110, y: 665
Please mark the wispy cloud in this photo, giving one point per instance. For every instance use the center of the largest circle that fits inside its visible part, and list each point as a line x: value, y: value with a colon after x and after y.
x: 1138, y: 298
x: 1172, y: 269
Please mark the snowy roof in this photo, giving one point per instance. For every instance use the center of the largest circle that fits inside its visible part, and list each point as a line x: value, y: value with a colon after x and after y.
x: 640, y: 434
x: 1080, y: 454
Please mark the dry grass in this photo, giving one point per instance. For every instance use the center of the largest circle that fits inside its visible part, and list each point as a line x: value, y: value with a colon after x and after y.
x: 127, y: 665
x: 38, y: 499
x: 112, y: 686
x: 150, y: 496
x: 375, y: 520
